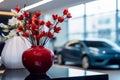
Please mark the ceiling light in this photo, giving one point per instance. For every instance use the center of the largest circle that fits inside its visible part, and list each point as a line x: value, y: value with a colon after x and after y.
x: 1, y: 1
x: 36, y: 4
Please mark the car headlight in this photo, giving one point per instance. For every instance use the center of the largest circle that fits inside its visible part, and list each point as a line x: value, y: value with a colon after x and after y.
x: 103, y: 52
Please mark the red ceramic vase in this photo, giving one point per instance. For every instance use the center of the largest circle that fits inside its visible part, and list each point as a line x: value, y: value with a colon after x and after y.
x: 37, y: 60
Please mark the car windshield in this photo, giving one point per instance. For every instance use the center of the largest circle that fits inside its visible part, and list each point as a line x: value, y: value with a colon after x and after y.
x: 99, y: 44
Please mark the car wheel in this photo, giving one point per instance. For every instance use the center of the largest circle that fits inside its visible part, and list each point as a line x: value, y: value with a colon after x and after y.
x: 85, y: 62
x: 60, y: 59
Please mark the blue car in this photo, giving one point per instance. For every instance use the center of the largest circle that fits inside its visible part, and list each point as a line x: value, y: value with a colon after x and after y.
x: 89, y: 53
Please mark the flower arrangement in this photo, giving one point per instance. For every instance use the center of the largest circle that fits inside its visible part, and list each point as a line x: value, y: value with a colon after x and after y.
x: 30, y: 26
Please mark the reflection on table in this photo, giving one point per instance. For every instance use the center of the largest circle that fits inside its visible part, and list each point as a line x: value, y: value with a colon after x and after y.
x: 37, y: 77
x: 54, y: 73
x: 15, y: 74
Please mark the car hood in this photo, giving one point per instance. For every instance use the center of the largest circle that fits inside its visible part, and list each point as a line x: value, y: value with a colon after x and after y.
x: 110, y: 51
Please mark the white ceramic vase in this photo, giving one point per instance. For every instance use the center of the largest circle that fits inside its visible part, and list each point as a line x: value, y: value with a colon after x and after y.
x: 12, y: 52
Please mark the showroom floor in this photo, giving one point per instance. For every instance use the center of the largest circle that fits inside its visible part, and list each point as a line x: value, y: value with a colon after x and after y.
x: 113, y: 71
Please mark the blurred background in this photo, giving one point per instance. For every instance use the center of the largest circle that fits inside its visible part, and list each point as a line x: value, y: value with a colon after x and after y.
x: 91, y: 19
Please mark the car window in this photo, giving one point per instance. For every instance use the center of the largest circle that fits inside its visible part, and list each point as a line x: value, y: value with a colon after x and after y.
x: 71, y: 43
x: 77, y: 45
x: 97, y: 44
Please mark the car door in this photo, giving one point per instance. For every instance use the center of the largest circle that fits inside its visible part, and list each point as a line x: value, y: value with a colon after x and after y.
x: 73, y: 52
x: 79, y: 50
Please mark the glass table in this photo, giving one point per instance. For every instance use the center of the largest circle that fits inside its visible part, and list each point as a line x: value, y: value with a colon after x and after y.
x: 54, y: 73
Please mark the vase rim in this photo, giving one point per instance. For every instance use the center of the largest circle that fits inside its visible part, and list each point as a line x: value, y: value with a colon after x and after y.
x: 37, y: 46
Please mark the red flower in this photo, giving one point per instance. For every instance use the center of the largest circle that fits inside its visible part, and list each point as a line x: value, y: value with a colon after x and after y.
x: 26, y: 34
x: 26, y: 14
x: 21, y: 17
x: 54, y: 16
x: 65, y: 12
x: 34, y: 17
x: 17, y: 9
x: 41, y: 34
x: 37, y: 13
x: 57, y: 29
x: 41, y: 22
x: 20, y: 28
x: 27, y: 26
x: 60, y: 19
x: 49, y: 34
x: 49, y: 24
x: 36, y: 28
x: 33, y: 27
x: 36, y: 21
x: 29, y: 21
x: 69, y: 15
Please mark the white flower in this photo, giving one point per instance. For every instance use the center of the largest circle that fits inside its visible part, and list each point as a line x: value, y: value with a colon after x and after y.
x: 11, y: 34
x: 13, y: 21
x: 4, y: 27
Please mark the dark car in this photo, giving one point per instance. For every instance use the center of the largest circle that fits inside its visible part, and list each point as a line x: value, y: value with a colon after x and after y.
x: 89, y: 53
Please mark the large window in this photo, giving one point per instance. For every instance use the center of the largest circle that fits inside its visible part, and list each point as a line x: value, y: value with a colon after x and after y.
x: 99, y: 22
x: 119, y: 4
x: 100, y: 6
x: 76, y: 24
x: 76, y: 28
x: 101, y: 26
x: 119, y: 14
x: 77, y: 11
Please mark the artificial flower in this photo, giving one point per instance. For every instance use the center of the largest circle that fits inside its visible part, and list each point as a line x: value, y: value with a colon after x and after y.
x: 60, y: 19
x: 65, y: 12
x: 30, y: 26
x: 14, y: 21
x: 54, y: 16
x: 57, y: 29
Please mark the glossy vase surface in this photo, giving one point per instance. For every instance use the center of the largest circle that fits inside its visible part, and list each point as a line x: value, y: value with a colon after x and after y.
x: 11, y: 55
x: 37, y: 60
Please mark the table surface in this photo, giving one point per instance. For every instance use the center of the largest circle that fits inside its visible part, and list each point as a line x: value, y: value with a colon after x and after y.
x: 54, y: 73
